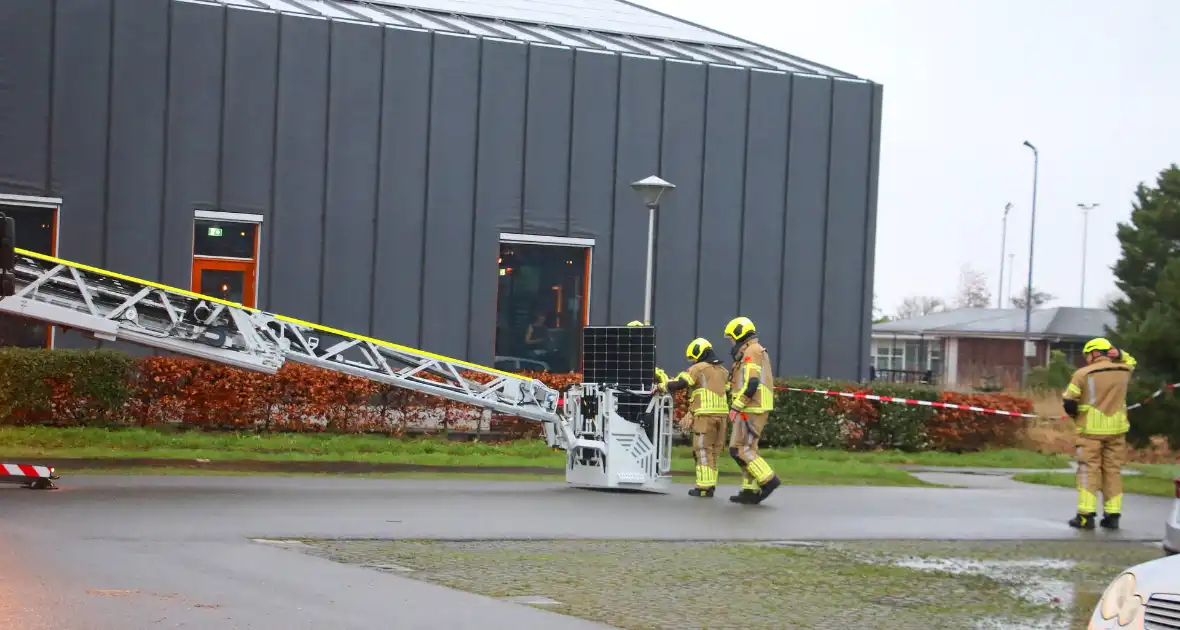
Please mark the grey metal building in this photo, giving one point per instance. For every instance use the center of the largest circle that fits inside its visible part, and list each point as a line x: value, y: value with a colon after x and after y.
x: 444, y: 173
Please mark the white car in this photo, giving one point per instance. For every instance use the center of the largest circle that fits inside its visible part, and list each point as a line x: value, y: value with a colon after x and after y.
x: 1144, y: 597
x: 1172, y: 527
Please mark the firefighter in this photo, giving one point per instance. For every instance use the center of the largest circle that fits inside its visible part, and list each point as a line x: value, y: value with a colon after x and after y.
x: 706, y: 378
x: 1096, y: 399
x: 751, y: 385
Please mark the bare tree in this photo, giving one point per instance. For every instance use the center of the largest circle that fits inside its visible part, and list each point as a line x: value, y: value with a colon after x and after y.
x: 973, y: 291
x: 919, y: 305
x: 1039, y: 298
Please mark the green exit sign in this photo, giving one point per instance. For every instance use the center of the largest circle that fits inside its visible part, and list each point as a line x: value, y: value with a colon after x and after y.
x: 214, y: 231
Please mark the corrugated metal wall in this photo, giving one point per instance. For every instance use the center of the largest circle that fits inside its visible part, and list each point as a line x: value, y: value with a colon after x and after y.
x: 386, y: 162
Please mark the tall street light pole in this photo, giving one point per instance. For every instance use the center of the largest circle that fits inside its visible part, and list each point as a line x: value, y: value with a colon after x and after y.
x: 650, y: 189
x: 1032, y: 232
x: 1011, y: 266
x: 1003, y: 246
x: 1085, y: 224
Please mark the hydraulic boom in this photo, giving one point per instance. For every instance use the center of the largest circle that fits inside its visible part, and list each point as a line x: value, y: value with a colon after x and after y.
x: 604, y: 449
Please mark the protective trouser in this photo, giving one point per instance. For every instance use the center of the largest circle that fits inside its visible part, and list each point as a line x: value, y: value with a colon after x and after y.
x: 1100, y: 461
x: 743, y: 447
x: 708, y: 438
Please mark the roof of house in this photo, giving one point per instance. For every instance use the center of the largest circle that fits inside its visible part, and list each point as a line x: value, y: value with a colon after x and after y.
x: 604, y: 25
x: 1065, y: 322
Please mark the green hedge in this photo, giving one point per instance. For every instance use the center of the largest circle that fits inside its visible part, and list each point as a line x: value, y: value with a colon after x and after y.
x: 63, y: 387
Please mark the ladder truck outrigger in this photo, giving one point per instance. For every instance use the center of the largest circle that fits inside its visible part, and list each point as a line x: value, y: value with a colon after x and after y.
x: 603, y: 449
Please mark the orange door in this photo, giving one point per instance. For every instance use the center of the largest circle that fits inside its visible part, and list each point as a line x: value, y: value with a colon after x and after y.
x: 231, y: 280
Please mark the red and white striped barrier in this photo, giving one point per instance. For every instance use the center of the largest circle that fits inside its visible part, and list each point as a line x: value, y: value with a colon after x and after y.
x: 929, y: 403
x: 910, y: 401
x: 38, y: 477
x: 1153, y: 396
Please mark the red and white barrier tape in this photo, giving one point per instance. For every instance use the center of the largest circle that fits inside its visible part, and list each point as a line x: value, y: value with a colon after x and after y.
x: 25, y: 470
x: 910, y: 401
x: 1153, y: 396
x: 942, y: 405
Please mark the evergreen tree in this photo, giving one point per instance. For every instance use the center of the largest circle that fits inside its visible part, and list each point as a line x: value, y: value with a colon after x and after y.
x: 1148, y: 312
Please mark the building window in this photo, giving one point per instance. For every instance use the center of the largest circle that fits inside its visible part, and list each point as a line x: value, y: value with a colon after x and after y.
x: 934, y: 357
x: 542, y: 302
x: 889, y: 355
x: 225, y: 256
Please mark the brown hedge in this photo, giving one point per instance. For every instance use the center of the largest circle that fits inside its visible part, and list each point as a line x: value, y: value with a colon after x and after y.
x: 64, y: 388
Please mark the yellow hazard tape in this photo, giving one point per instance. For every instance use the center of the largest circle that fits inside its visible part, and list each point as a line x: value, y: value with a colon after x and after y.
x: 291, y: 320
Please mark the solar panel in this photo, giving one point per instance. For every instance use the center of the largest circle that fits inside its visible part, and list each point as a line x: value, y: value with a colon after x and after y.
x: 623, y: 357
x: 604, y: 15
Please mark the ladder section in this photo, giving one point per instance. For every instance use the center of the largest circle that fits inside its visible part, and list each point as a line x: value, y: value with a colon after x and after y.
x: 111, y: 306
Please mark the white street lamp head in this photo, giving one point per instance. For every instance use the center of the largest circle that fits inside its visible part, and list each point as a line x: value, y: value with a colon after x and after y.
x: 651, y: 189
x: 1029, y: 145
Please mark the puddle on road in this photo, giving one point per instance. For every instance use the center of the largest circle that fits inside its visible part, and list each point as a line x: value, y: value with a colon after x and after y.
x: 1025, y: 578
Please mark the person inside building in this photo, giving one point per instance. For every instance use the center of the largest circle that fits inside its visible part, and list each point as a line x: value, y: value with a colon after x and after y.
x: 536, y: 336
x: 751, y: 386
x: 1096, y: 400
x: 706, y: 379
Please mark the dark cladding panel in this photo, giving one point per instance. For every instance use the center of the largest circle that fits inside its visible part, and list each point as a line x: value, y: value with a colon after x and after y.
x: 401, y: 203
x: 498, y: 193
x: 721, y: 217
x: 840, y: 347
x: 81, y: 73
x: 26, y: 42
x: 871, y: 230
x: 139, y: 89
x: 592, y: 163
x: 638, y: 156
x: 353, y: 134
x: 194, y: 123
x: 803, y: 261
x: 294, y: 229
x: 765, y: 206
x: 450, y: 195
x: 247, y: 143
x: 547, y: 144
x: 677, y: 256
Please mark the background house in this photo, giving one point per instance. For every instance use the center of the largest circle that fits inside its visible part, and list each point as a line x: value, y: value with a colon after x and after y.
x: 969, y: 346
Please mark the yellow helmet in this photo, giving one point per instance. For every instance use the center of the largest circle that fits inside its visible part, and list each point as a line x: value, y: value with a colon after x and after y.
x: 635, y: 322
x: 696, y: 348
x: 1099, y: 344
x: 739, y: 327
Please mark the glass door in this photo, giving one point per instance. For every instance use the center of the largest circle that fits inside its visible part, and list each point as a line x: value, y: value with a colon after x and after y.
x: 231, y: 280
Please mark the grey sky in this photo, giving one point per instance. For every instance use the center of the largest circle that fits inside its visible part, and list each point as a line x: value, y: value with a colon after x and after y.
x: 1093, y: 84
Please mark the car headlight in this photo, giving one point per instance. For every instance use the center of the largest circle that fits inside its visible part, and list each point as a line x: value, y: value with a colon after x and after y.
x: 1120, y: 600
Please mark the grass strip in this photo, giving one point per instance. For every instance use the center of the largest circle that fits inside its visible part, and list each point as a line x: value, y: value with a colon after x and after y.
x: 48, y: 442
x: 1156, y: 480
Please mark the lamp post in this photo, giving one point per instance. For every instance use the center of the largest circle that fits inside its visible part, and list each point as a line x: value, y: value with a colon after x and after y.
x: 1003, y: 246
x: 1032, y: 231
x: 650, y: 189
x: 1011, y: 266
x: 1086, y: 207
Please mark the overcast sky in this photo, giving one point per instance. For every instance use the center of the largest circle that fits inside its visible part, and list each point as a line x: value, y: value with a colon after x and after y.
x: 1092, y: 83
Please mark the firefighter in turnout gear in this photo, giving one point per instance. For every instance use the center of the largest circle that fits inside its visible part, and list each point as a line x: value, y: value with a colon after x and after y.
x: 752, y: 388
x: 706, y: 379
x: 1096, y: 399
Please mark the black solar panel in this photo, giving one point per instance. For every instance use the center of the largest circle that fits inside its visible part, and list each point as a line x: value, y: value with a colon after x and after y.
x: 623, y: 357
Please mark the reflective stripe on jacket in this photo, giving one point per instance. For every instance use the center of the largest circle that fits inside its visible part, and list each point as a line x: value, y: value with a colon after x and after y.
x: 707, y: 381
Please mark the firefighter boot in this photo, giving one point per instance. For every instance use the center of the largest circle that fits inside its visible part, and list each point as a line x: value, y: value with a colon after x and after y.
x: 1109, y: 521
x: 1083, y: 521
x: 769, y: 487
x: 750, y: 491
x: 704, y: 493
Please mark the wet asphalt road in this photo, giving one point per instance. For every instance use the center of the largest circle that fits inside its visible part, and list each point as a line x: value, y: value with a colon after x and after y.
x: 129, y: 552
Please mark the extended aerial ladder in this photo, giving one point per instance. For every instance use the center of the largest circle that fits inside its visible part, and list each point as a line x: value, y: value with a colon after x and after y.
x: 604, y: 450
